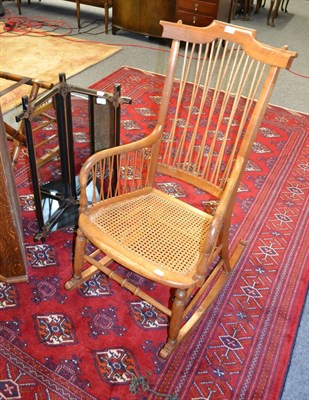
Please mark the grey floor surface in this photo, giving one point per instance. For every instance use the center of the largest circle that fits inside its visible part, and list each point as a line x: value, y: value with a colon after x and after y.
x: 292, y: 91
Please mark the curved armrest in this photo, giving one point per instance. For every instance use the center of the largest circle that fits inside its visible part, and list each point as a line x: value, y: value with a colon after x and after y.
x: 118, y: 150
x: 119, y: 170
x: 221, y: 219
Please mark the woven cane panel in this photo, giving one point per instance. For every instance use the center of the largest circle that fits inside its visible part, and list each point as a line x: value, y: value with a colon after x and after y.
x: 163, y: 232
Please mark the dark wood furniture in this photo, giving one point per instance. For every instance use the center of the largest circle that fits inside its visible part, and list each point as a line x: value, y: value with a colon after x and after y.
x: 142, y: 16
x: 106, y: 4
x: 273, y: 9
x: 12, y: 254
x: 1, y: 9
x: 19, y: 5
x: 203, y: 12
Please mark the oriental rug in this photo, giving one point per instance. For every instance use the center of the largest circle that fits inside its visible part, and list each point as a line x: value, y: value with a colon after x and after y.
x: 96, y: 341
x: 41, y: 56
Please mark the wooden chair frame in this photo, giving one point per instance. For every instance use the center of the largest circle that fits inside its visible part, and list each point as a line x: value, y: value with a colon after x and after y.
x: 18, y: 135
x: 156, y: 235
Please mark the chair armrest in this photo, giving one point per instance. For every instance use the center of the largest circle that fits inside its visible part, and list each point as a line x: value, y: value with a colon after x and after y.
x: 119, y: 170
x: 222, y: 216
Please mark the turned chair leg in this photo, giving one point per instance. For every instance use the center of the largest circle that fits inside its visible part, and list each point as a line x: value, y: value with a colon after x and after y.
x: 80, y: 247
x: 176, y: 321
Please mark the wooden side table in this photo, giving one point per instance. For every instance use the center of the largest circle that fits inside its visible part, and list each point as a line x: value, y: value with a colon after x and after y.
x: 106, y: 4
x: 19, y: 5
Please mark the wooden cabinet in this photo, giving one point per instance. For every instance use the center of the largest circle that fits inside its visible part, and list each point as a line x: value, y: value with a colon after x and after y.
x: 142, y: 16
x: 12, y: 254
x: 203, y: 12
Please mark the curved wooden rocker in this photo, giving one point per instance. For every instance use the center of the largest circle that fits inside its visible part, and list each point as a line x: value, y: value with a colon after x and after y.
x: 218, y: 100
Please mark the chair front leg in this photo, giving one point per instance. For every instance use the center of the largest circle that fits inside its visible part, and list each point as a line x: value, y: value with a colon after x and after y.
x: 176, y: 321
x: 80, y: 248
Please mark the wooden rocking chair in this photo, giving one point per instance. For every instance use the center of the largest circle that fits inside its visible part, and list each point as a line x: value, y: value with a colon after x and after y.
x: 218, y: 104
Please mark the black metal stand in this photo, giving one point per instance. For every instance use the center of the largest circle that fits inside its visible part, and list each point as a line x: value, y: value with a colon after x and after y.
x: 57, y: 203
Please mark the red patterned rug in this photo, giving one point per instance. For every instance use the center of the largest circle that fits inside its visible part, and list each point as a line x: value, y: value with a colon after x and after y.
x: 92, y: 342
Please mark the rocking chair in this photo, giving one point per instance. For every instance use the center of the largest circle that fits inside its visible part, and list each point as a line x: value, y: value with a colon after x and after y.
x: 218, y: 103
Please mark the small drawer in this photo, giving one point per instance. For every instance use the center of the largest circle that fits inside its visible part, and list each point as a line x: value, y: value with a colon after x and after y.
x: 194, y: 19
x: 198, y: 7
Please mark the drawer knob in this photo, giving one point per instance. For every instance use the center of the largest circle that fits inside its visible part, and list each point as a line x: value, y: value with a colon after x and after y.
x: 194, y: 20
x: 195, y: 6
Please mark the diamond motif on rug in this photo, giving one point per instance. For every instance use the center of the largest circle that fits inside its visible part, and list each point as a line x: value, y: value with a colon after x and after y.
x: 145, y: 111
x: 8, y: 296
x: 54, y: 329
x: 116, y: 366
x: 103, y: 322
x: 130, y: 125
x: 27, y: 202
x: 97, y: 286
x: 219, y: 372
x: 260, y: 148
x: 251, y: 291
x: 47, y: 288
x: 41, y: 255
x: 147, y: 316
x: 231, y: 342
x: 252, y: 166
x: 9, y: 390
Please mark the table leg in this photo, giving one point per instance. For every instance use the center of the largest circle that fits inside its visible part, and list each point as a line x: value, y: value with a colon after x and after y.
x: 1, y: 9
x: 78, y: 12
x: 106, y: 16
